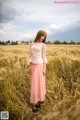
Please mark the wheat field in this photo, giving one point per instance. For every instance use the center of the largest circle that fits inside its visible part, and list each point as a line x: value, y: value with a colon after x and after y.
x: 62, y: 82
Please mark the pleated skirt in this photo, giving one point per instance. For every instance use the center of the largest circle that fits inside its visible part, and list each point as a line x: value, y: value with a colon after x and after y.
x: 37, y: 83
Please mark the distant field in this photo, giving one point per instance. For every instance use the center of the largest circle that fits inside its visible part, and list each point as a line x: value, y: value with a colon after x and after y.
x: 62, y: 81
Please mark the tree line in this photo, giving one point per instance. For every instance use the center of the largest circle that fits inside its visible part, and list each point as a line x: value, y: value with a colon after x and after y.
x: 63, y: 42
x: 8, y: 42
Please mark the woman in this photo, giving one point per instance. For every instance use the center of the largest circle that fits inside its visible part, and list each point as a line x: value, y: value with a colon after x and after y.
x: 38, y: 63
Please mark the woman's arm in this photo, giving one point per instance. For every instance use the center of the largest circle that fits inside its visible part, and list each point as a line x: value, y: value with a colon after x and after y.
x: 44, y: 57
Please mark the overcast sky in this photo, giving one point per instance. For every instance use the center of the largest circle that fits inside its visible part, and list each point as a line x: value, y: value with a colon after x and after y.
x: 22, y: 19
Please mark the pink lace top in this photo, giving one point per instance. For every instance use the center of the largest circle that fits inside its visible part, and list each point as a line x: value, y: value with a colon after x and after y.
x: 38, y: 52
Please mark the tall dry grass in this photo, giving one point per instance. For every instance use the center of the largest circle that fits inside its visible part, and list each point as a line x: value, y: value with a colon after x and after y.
x: 62, y: 82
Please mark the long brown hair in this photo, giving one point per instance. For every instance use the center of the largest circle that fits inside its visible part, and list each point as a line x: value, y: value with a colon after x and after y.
x: 39, y: 34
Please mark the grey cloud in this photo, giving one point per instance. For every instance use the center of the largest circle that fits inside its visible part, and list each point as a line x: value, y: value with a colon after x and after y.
x: 8, y: 12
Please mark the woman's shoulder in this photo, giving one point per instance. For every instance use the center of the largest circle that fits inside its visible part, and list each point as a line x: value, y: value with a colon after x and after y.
x: 44, y: 45
x: 37, y: 43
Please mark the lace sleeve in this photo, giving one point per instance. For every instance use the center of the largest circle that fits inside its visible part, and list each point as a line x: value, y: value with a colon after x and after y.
x: 44, y: 54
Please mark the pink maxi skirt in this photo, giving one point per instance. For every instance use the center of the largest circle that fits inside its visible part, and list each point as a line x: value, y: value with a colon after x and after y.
x: 37, y: 83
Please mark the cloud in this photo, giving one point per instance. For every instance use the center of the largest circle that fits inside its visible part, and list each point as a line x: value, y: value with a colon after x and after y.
x: 21, y: 19
x: 9, y: 12
x: 53, y: 28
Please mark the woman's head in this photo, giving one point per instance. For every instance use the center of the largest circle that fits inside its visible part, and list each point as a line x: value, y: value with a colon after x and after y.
x: 41, y: 36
